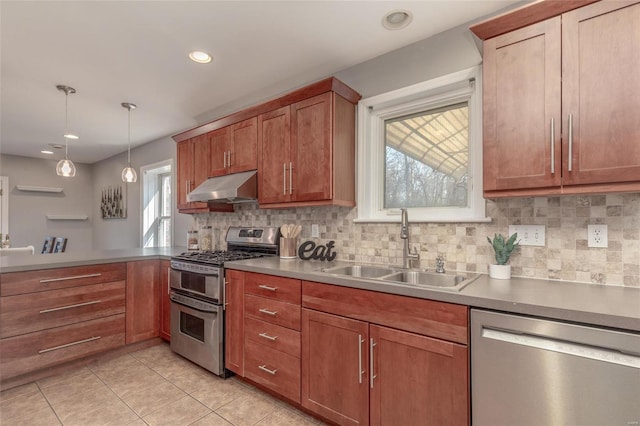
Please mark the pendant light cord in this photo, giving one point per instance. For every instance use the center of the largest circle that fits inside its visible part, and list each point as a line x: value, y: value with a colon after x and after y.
x: 66, y: 124
x: 129, y: 137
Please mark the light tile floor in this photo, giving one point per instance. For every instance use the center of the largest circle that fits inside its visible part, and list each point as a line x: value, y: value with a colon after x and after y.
x: 153, y: 386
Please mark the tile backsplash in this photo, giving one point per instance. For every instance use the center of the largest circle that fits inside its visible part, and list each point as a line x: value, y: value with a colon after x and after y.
x: 464, y: 245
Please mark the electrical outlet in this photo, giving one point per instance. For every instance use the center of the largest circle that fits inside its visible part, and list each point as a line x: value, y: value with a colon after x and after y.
x: 315, y: 231
x: 597, y: 236
x: 529, y: 235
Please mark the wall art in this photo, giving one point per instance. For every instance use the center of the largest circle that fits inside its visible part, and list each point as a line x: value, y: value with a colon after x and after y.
x: 113, y: 203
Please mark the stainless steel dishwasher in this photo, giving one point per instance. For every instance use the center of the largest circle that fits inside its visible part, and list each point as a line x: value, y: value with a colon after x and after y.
x: 530, y: 371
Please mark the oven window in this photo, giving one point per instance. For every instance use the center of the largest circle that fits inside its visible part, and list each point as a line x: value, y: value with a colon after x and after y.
x: 193, y: 282
x: 192, y: 326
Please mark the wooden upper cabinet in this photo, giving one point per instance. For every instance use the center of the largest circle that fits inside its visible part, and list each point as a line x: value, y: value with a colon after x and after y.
x: 243, y: 151
x: 521, y: 108
x: 234, y: 148
x: 193, y: 168
x: 306, y: 153
x: 274, y: 148
x: 219, y: 141
x: 560, y: 108
x: 601, y: 92
x: 311, y: 148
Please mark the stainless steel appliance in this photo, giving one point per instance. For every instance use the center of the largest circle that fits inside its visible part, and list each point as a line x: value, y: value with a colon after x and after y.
x: 531, y: 371
x: 196, y: 280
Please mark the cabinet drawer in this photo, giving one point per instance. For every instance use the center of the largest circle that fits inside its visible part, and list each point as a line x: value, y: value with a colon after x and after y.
x: 278, y: 288
x: 272, y: 336
x: 34, y: 351
x: 435, y: 319
x: 27, y: 313
x: 50, y: 279
x: 273, y: 311
x: 274, y: 369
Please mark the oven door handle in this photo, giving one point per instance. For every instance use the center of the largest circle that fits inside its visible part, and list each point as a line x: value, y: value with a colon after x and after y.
x: 214, y: 308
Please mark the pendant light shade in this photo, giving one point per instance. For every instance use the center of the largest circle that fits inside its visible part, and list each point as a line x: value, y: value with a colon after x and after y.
x: 66, y: 167
x: 129, y: 173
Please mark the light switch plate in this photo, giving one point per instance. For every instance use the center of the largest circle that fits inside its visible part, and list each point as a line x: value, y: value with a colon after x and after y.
x: 315, y: 231
x: 597, y: 236
x: 529, y: 235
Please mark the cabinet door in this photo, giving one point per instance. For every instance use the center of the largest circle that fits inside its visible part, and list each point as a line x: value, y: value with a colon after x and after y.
x: 335, y: 361
x: 521, y: 108
x: 234, y: 321
x: 418, y: 380
x: 219, y: 146
x: 243, y: 151
x: 184, y: 173
x: 274, y: 136
x: 165, y: 302
x: 600, y: 85
x: 143, y: 305
x: 201, y: 158
x: 311, y: 148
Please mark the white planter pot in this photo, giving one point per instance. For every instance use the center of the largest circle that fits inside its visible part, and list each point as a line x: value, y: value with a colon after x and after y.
x: 502, y: 272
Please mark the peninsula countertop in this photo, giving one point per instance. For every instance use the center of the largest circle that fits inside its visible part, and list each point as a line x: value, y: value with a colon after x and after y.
x: 26, y: 262
x: 603, y: 305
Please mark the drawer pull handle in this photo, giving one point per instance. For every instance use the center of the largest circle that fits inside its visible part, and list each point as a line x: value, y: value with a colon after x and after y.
x: 266, y: 287
x: 268, y: 312
x: 264, y: 368
x: 55, y: 348
x: 75, y: 277
x: 77, y: 305
x: 266, y: 336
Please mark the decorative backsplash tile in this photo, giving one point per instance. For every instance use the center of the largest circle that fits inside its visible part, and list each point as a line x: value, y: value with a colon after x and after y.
x: 464, y: 245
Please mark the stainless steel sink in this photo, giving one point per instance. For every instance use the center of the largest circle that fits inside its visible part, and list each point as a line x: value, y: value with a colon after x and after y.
x: 363, y: 271
x: 431, y: 279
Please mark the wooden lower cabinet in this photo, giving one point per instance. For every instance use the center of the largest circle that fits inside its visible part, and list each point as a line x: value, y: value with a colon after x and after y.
x: 356, y: 373
x: 165, y: 302
x: 335, y: 359
x: 143, y: 305
x: 234, y: 321
x: 418, y: 380
x: 32, y: 351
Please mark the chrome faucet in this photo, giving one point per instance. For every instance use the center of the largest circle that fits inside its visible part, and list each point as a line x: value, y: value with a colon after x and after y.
x: 408, y: 257
x: 440, y: 265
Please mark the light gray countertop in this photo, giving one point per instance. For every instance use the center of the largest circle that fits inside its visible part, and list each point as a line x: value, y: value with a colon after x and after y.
x: 609, y: 306
x: 26, y: 262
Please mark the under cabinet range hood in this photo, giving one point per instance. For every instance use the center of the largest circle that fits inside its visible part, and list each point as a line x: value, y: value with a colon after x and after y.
x: 229, y: 189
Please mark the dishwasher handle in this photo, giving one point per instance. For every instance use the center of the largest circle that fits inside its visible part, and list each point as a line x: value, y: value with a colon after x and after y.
x: 596, y: 353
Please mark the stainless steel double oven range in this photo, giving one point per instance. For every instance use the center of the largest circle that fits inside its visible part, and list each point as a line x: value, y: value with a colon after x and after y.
x: 196, y: 281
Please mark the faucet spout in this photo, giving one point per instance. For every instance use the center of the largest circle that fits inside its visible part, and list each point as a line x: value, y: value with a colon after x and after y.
x: 407, y: 256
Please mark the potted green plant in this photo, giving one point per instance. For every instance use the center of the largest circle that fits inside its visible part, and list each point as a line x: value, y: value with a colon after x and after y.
x: 503, y: 250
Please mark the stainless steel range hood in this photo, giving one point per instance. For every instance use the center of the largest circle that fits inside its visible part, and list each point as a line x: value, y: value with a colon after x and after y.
x: 234, y: 188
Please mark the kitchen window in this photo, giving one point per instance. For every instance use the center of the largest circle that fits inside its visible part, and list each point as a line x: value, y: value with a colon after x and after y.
x: 157, y: 202
x: 420, y: 148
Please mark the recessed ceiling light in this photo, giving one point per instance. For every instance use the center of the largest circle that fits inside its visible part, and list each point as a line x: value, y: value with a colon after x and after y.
x: 397, y: 19
x: 47, y: 152
x: 56, y: 145
x: 200, y: 57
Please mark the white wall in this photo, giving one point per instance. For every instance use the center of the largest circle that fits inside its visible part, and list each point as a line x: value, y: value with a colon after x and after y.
x: 125, y: 233
x: 28, y: 224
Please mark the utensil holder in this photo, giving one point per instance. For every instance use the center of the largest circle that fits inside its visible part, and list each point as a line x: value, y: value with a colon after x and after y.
x: 288, y: 248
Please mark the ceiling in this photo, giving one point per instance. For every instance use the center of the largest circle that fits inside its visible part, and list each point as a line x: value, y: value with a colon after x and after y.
x: 136, y: 51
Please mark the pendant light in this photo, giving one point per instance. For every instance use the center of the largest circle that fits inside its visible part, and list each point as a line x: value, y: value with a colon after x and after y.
x: 66, y: 167
x: 129, y: 173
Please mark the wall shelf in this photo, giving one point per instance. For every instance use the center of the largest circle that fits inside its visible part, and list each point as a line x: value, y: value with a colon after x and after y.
x: 38, y: 188
x: 67, y: 217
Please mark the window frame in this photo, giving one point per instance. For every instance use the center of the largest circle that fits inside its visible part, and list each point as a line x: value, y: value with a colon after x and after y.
x: 462, y: 86
x: 150, y: 187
